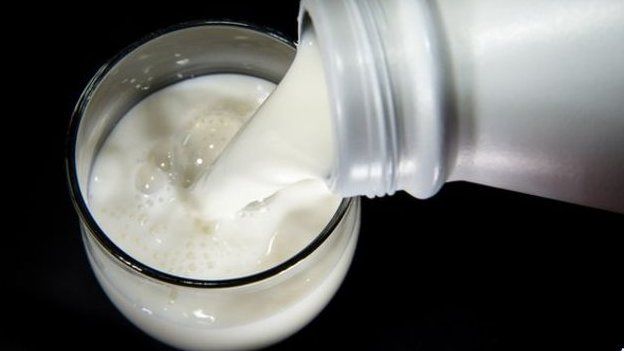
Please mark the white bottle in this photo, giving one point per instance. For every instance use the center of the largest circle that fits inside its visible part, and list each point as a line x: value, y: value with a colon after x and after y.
x: 522, y: 95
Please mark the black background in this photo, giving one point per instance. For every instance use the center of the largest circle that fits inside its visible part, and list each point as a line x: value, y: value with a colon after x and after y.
x: 473, y: 268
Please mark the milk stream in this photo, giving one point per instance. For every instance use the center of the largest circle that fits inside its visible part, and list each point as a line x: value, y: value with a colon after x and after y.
x: 289, y: 140
x: 148, y: 188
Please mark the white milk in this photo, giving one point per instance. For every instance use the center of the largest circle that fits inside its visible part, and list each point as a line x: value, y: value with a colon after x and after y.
x: 249, y: 316
x: 289, y: 140
x: 149, y: 193
x: 142, y: 193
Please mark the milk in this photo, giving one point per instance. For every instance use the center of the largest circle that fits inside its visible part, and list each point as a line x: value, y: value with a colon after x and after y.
x: 249, y: 316
x: 289, y: 140
x: 151, y: 193
x: 143, y: 191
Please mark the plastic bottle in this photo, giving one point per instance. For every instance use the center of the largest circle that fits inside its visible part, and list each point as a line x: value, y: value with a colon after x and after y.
x: 526, y: 95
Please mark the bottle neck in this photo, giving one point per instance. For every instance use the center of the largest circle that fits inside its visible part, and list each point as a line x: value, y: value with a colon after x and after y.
x: 385, y: 78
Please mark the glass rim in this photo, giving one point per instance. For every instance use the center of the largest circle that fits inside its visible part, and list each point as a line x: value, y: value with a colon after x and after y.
x: 94, y: 230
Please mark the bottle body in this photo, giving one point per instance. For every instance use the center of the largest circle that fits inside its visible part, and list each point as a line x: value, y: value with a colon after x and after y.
x: 539, y: 97
x: 521, y: 95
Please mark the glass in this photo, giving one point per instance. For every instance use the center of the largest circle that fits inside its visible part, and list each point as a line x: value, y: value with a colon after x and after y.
x: 244, y: 312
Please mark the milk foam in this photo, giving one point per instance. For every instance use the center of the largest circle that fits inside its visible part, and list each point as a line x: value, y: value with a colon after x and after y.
x: 147, y: 192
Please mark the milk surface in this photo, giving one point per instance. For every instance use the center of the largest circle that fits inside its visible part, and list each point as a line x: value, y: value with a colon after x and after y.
x: 147, y: 189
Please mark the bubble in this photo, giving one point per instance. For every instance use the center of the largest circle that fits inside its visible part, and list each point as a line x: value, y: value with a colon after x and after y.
x: 161, y: 155
x: 149, y: 179
x: 195, y: 149
x: 206, y: 227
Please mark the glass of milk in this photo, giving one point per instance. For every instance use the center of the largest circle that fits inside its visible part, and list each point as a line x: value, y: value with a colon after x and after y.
x: 249, y: 311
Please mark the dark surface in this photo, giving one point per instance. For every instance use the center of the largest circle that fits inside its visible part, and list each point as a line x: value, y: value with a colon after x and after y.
x: 473, y: 268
